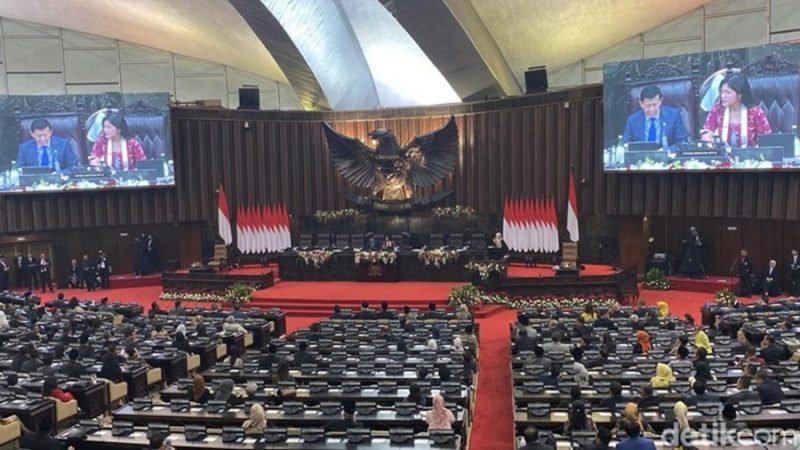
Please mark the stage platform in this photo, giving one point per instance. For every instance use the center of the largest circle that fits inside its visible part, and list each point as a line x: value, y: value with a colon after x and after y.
x: 712, y: 284
x: 129, y: 280
x: 319, y: 297
x: 519, y: 270
x: 259, y: 276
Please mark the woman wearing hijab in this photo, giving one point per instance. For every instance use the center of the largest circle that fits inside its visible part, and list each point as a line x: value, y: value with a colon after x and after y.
x: 199, y: 393
x: 643, y: 337
x: 257, y: 421
x: 663, y: 377
x: 701, y: 341
x: 439, y: 417
x: 577, y: 420
x: 684, y: 430
x: 462, y: 313
x: 111, y: 370
x: 432, y: 345
x: 607, y: 343
x: 230, y: 326
x: 4, y: 325
x: 458, y: 345
x: 632, y: 414
x: 181, y: 343
x: 225, y: 393
x: 663, y: 310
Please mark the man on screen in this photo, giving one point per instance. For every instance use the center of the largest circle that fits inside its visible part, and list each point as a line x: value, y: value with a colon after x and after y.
x: 655, y: 122
x: 44, y: 149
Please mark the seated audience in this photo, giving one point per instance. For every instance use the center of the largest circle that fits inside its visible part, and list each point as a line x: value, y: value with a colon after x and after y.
x: 768, y: 388
x: 615, y: 397
x: 743, y: 393
x: 385, y: 312
x: 663, y: 377
x: 50, y: 389
x: 577, y: 419
x: 347, y: 421
x: 635, y: 441
x: 551, y: 378
x: 199, y: 393
x: 73, y: 369
x: 700, y: 395
x: 532, y: 440
x: 365, y: 313
x: 649, y: 399
x: 439, y: 417
x: 257, y: 422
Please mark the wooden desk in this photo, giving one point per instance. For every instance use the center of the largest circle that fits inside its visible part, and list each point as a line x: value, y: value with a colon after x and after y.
x: 172, y: 365
x: 308, y: 418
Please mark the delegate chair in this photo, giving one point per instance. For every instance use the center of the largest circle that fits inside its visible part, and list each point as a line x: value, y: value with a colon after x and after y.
x: 437, y: 240
x: 456, y: 240
x: 342, y: 241
x: 775, y: 84
x: 306, y: 240
x: 149, y: 124
x: 220, y: 259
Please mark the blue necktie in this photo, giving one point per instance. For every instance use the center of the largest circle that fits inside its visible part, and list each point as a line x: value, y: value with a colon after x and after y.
x: 651, y: 132
x: 45, y: 157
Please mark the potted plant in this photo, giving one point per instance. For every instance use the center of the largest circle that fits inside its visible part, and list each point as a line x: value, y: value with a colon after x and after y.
x: 239, y: 294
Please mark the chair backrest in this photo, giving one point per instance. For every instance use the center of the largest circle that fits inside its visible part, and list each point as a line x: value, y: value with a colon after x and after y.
x: 342, y: 240
x: 456, y: 240
x: 477, y: 241
x: 678, y: 92
x: 306, y: 240
x: 437, y: 240
x: 149, y: 124
x: 775, y: 84
x: 66, y: 125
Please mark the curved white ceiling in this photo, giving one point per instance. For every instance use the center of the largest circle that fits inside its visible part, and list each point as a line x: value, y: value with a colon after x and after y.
x: 204, y: 29
x: 556, y: 33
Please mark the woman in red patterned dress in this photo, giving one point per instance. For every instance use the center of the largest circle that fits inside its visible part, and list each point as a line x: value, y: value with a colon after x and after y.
x: 735, y: 117
x: 115, y: 146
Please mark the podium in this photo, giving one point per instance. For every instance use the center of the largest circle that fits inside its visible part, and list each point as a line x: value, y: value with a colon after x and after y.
x: 569, y: 260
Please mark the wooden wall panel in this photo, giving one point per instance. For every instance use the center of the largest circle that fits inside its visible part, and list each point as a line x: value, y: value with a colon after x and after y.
x: 519, y: 146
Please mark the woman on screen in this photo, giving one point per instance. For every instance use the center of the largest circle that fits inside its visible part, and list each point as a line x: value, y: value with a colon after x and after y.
x: 115, y: 146
x: 735, y: 117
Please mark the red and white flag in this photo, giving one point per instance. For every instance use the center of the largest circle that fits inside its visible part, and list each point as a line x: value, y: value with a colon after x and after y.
x: 223, y: 217
x: 554, y: 244
x: 240, y: 229
x: 572, y: 211
x: 286, y: 242
x: 506, y: 222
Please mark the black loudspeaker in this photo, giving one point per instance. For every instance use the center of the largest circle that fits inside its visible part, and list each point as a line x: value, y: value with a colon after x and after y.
x: 249, y: 97
x: 535, y: 80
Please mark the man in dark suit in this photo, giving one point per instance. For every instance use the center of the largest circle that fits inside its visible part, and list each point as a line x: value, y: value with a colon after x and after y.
x: 73, y: 368
x: 768, y: 388
x: 700, y: 395
x: 523, y: 342
x: 32, y: 272
x: 744, y: 394
x: 104, y: 270
x: 385, y: 312
x: 44, y: 149
x: 21, y: 270
x: 771, y: 281
x: 772, y: 352
x: 347, y: 421
x: 365, y: 313
x: 532, y: 440
x: 744, y: 267
x: 89, y: 271
x: 44, y: 273
x: 4, y: 277
x: 794, y: 273
x: 655, y: 122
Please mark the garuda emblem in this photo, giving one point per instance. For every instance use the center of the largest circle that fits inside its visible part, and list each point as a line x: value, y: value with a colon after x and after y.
x: 390, y: 171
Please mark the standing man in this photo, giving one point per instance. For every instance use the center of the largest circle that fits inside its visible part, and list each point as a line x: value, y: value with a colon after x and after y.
x: 21, y: 270
x: 44, y: 273
x: 744, y: 267
x: 692, y: 264
x: 4, y: 278
x: 104, y: 270
x: 772, y: 286
x: 794, y: 273
x: 152, y: 254
x: 655, y: 122
x: 89, y: 273
x: 32, y: 272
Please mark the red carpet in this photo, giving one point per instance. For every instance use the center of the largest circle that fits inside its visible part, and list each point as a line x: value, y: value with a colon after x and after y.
x: 493, y: 423
x: 518, y: 270
x: 711, y: 284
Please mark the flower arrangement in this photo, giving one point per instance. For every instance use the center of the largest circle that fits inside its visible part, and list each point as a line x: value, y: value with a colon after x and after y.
x: 485, y: 269
x: 335, y: 216
x: 374, y: 257
x: 725, y: 297
x: 437, y: 256
x: 196, y: 264
x: 454, y: 212
x: 470, y: 295
x: 239, y: 293
x: 316, y: 258
x: 656, y: 280
x: 467, y: 295
x: 212, y: 297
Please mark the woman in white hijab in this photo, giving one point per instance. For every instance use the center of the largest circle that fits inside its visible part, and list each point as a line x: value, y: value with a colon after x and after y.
x: 257, y: 421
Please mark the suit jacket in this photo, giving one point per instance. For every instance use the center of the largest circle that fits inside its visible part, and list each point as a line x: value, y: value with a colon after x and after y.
x: 637, y: 443
x: 671, y: 127
x: 20, y: 262
x: 774, y: 275
x: 744, y: 266
x: 62, y: 153
x: 794, y: 269
x: 770, y: 392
